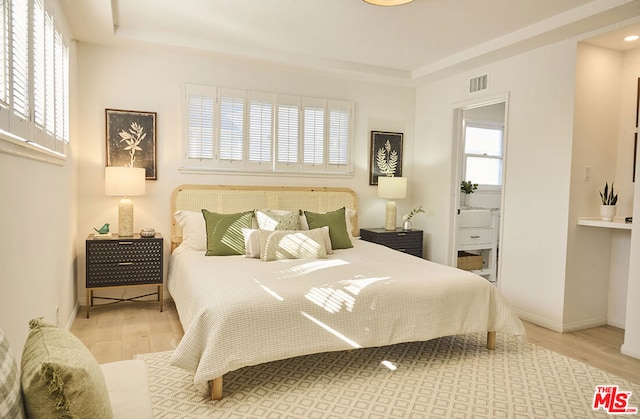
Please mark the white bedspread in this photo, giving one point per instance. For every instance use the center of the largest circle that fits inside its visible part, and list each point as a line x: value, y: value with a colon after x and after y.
x: 238, y: 312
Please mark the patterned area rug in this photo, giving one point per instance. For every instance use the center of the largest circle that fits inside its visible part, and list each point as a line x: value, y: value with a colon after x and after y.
x: 452, y: 377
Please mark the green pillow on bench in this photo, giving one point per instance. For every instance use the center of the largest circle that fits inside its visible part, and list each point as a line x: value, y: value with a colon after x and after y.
x: 60, y: 377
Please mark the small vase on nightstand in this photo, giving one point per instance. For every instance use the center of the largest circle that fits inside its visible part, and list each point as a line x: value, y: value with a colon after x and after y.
x: 406, y: 226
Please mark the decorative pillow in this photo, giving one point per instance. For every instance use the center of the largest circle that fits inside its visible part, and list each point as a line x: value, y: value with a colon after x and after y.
x: 251, y: 242
x: 348, y: 217
x: 10, y: 395
x: 224, y: 232
x: 337, y: 224
x: 277, y: 220
x: 60, y: 377
x: 194, y: 230
x: 282, y: 244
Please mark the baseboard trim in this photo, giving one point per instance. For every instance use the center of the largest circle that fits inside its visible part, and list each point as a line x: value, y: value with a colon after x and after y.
x: 72, y: 316
x: 540, y: 321
x: 629, y: 351
x: 584, y: 324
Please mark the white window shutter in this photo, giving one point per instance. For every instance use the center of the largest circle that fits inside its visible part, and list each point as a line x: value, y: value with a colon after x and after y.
x: 260, y: 139
x: 231, y: 130
x: 19, y: 124
x: 340, y: 116
x: 313, y: 142
x: 200, y: 128
x: 5, y: 33
x: 288, y: 133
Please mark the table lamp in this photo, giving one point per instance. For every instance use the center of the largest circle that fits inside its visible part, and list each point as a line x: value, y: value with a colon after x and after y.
x: 124, y: 181
x: 391, y: 188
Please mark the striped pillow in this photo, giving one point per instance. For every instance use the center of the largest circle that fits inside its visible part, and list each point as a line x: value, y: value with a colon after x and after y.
x: 10, y: 396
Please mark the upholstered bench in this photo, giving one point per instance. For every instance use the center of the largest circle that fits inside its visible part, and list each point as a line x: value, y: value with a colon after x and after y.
x: 60, y: 378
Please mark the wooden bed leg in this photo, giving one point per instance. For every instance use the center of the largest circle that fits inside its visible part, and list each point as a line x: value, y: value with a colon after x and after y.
x: 216, y: 388
x: 491, y: 341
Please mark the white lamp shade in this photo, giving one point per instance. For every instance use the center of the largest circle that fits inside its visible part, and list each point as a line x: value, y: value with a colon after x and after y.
x: 124, y: 181
x: 392, y: 187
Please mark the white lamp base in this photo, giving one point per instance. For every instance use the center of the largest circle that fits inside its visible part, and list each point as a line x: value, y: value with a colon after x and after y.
x: 390, y: 216
x: 125, y: 218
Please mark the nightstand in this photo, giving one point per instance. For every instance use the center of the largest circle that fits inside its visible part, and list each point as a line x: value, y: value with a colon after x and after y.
x: 407, y: 241
x: 123, y: 262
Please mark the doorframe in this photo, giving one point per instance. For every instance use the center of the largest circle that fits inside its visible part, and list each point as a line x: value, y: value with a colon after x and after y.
x: 456, y: 167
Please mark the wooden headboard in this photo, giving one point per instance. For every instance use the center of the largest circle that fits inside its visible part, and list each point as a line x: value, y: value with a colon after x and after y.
x: 227, y: 199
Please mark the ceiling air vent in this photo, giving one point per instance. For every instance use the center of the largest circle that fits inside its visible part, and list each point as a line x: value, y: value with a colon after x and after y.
x: 478, y: 83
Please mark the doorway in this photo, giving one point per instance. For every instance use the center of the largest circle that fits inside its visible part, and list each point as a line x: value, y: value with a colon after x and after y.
x: 480, y: 157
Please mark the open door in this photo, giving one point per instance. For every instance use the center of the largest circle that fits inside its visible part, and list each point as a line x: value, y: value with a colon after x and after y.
x: 480, y: 153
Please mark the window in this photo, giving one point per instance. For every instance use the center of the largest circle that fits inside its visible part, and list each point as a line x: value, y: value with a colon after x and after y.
x: 34, y: 76
x: 229, y: 129
x: 483, y: 153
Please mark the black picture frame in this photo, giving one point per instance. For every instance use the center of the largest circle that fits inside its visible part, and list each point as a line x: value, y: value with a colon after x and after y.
x: 385, y: 155
x: 131, y: 140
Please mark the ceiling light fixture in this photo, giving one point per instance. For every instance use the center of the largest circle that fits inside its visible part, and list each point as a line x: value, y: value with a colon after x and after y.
x: 387, y: 2
x: 631, y: 38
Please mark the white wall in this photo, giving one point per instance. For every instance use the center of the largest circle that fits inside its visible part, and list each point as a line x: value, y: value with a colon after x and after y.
x: 147, y: 79
x: 540, y: 85
x: 595, y: 145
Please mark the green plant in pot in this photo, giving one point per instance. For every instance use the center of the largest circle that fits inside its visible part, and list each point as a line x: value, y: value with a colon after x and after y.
x: 467, y: 188
x: 609, y: 198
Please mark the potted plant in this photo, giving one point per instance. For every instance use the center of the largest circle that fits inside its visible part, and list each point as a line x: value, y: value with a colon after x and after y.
x: 609, y: 199
x: 467, y: 188
x: 407, y: 217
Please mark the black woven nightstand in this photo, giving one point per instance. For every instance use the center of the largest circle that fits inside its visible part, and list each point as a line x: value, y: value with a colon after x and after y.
x: 407, y: 241
x: 123, y: 262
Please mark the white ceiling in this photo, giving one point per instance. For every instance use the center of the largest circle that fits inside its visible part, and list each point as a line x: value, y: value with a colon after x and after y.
x: 409, y: 42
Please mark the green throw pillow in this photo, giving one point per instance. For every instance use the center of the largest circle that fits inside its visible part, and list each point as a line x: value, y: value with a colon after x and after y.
x: 224, y: 232
x: 337, y: 224
x: 60, y: 377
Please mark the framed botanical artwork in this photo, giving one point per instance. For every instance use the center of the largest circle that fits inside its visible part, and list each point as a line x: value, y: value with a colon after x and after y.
x: 131, y: 140
x: 386, y: 155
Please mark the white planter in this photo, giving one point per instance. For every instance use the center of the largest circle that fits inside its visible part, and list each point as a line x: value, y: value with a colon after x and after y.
x: 607, y: 212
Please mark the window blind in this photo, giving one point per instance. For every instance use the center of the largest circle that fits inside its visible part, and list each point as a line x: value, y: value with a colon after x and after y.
x: 231, y: 125
x: 232, y: 129
x: 4, y: 52
x: 339, y: 133
x: 260, y: 128
x: 34, y: 76
x: 288, y: 131
x: 20, y: 58
x: 313, y: 141
x: 201, y: 126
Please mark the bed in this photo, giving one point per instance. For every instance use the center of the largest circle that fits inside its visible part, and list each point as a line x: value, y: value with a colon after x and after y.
x: 238, y: 310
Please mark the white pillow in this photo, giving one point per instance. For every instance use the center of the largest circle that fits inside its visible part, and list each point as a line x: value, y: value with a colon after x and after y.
x: 284, y: 244
x: 252, y: 240
x: 348, y: 215
x: 194, y: 230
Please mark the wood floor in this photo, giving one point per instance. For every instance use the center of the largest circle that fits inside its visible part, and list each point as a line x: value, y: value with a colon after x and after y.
x: 119, y: 331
